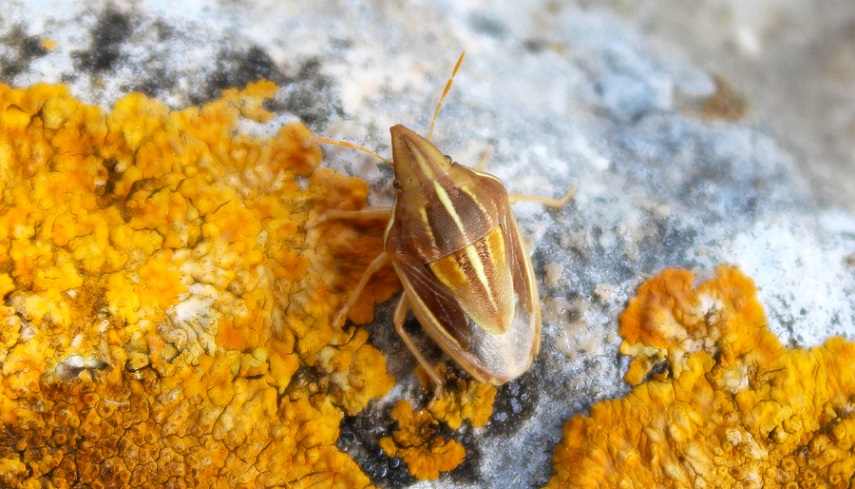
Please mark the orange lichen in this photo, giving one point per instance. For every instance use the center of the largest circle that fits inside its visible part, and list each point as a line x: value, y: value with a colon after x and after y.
x: 462, y: 399
x: 417, y: 443
x: 162, y: 292
x: 415, y: 440
x: 731, y: 408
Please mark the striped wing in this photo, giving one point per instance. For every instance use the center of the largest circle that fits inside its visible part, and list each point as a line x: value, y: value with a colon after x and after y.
x: 479, y: 276
x: 493, y: 339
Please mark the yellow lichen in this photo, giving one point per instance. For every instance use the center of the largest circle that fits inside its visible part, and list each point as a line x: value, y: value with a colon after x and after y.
x: 48, y: 44
x: 162, y: 292
x: 462, y: 399
x: 732, y: 407
x: 415, y: 440
x: 417, y: 443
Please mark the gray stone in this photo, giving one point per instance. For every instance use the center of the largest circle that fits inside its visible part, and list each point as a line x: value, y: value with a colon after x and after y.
x: 560, y: 96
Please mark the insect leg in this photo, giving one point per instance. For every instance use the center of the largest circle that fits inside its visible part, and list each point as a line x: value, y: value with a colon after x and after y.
x: 381, y: 261
x: 547, y: 201
x: 398, y: 319
x: 482, y: 163
x: 369, y: 213
x: 348, y: 144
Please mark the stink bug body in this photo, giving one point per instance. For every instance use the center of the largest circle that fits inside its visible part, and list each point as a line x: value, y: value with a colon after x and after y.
x: 456, y: 247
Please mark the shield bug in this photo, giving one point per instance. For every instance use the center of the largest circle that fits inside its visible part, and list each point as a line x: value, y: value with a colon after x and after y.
x: 457, y: 249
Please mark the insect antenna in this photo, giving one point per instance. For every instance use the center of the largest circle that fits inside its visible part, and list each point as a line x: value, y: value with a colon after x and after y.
x: 347, y: 144
x: 444, y: 93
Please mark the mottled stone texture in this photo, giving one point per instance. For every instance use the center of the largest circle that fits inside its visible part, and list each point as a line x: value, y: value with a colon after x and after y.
x: 675, y: 166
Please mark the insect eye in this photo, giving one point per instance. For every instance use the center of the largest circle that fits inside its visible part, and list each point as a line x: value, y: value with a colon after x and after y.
x: 396, y: 183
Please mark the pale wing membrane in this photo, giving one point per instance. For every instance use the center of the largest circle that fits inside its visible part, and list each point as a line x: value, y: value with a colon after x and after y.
x: 525, y: 285
x: 502, y: 358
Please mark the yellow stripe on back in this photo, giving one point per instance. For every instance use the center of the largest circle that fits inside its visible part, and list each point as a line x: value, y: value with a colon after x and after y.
x: 449, y: 206
x: 480, y: 279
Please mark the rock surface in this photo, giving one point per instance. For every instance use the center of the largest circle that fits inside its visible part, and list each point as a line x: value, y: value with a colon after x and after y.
x: 560, y: 96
